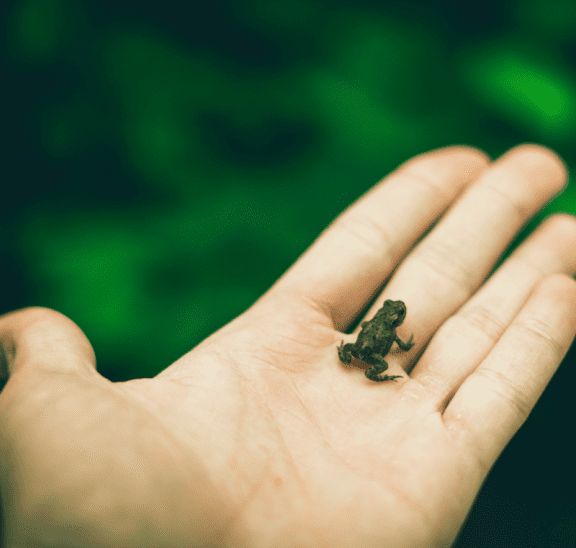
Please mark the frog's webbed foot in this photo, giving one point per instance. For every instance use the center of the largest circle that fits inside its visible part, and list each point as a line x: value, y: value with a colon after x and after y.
x: 374, y: 372
x: 344, y: 352
x: 381, y: 377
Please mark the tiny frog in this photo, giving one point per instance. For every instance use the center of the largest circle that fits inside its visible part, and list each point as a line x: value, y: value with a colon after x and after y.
x: 375, y: 340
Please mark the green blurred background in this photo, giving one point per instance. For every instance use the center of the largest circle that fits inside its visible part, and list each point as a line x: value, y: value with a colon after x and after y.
x: 166, y: 164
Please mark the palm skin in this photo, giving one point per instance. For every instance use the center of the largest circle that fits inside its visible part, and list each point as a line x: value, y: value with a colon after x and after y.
x: 260, y: 437
x: 261, y: 448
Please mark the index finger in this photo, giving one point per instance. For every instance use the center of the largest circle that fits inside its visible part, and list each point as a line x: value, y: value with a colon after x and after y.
x: 349, y: 262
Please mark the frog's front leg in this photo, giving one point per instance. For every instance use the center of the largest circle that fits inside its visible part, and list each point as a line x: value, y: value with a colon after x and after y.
x: 344, y: 352
x: 379, y: 365
x: 402, y: 345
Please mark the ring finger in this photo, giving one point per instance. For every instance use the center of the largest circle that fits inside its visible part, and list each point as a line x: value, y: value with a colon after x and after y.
x: 466, y: 338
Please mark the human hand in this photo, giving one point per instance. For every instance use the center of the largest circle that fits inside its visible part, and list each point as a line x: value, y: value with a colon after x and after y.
x: 260, y: 437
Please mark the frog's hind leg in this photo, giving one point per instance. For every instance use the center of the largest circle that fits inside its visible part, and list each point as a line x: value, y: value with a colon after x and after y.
x: 379, y: 365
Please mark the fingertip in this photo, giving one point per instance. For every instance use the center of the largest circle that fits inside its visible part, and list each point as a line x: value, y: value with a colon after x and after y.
x: 452, y: 162
x: 539, y: 157
x: 458, y: 163
x: 474, y: 153
x: 465, y: 153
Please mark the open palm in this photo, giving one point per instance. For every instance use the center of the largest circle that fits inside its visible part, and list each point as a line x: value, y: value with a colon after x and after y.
x: 260, y: 437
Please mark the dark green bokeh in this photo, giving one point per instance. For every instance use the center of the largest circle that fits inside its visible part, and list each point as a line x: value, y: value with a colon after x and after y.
x: 167, y: 164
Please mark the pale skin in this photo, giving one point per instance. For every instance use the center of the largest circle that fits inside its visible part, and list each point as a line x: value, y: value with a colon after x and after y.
x: 260, y: 437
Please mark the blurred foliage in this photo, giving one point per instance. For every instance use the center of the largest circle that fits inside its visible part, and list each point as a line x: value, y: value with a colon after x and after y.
x: 167, y: 163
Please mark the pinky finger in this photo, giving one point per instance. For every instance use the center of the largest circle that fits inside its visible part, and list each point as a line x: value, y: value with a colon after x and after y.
x: 495, y: 400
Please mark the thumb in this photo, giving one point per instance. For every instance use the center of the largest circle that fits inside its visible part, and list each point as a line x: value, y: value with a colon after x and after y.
x: 40, y: 340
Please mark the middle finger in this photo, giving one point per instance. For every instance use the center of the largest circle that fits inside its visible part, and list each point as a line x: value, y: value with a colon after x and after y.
x: 447, y: 266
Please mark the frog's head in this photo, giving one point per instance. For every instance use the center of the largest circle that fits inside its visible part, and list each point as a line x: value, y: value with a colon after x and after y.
x: 396, y: 311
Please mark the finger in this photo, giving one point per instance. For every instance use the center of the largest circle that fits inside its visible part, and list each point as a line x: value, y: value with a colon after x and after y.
x: 350, y: 260
x: 42, y: 339
x: 497, y: 397
x: 448, y: 265
x: 467, y: 337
